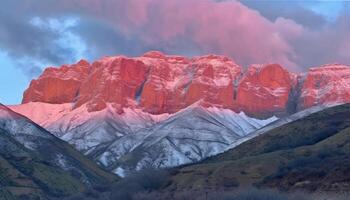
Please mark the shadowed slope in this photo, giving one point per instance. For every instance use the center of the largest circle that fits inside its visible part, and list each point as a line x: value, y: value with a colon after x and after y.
x: 36, y: 164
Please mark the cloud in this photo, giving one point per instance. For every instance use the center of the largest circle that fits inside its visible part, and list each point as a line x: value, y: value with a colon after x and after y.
x: 228, y: 28
x: 297, y: 11
x: 325, y: 36
x: 247, y: 31
x: 33, y: 42
x: 331, y: 45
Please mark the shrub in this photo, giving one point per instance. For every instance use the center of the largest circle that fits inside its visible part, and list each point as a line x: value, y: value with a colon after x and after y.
x: 101, y: 188
x: 259, y: 194
x: 246, y: 194
x: 255, y: 194
x: 143, y: 181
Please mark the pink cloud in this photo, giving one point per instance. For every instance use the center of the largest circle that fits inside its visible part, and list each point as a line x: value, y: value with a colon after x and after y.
x: 226, y: 27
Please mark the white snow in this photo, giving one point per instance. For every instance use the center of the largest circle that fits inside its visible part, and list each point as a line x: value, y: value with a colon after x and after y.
x: 189, y: 135
x: 279, y: 91
x: 42, y: 113
x: 120, y: 172
x: 222, y: 81
x: 19, y: 125
x: 87, y: 130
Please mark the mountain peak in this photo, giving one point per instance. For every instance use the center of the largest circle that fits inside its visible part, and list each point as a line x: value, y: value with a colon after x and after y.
x: 83, y: 62
x: 154, y: 54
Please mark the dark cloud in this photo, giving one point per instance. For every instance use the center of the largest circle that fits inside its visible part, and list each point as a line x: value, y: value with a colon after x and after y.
x: 21, y: 39
x: 29, y: 46
x: 103, y: 39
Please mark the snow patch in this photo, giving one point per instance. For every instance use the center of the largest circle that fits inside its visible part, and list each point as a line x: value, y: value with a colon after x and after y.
x: 120, y: 172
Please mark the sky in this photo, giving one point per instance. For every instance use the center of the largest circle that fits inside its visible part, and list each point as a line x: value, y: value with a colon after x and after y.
x: 35, y: 34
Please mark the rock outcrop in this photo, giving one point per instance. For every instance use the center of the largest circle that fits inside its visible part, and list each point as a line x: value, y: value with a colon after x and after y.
x: 265, y: 89
x: 159, y: 83
x: 324, y: 85
x: 58, y: 85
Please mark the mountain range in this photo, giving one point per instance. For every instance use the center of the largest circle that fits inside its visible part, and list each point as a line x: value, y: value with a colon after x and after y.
x: 161, y: 110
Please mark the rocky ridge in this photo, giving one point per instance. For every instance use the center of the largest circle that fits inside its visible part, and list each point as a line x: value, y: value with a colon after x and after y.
x: 157, y: 83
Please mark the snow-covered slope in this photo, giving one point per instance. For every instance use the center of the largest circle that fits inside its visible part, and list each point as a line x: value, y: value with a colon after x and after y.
x: 135, y: 139
x: 86, y: 130
x: 20, y: 134
x: 186, y: 137
x: 22, y: 129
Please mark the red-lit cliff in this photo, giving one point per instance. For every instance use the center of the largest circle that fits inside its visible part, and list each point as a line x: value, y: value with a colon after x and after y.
x: 158, y: 83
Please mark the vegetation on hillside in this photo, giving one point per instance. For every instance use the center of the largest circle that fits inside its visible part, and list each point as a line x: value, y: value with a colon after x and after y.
x: 27, y: 173
x: 311, y: 154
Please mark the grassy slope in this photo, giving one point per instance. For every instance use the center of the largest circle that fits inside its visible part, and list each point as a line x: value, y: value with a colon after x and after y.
x: 311, y: 153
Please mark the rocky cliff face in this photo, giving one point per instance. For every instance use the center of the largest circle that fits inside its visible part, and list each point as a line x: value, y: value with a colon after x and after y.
x: 325, y: 84
x: 58, y: 85
x: 116, y: 80
x: 157, y: 83
x: 265, y: 89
